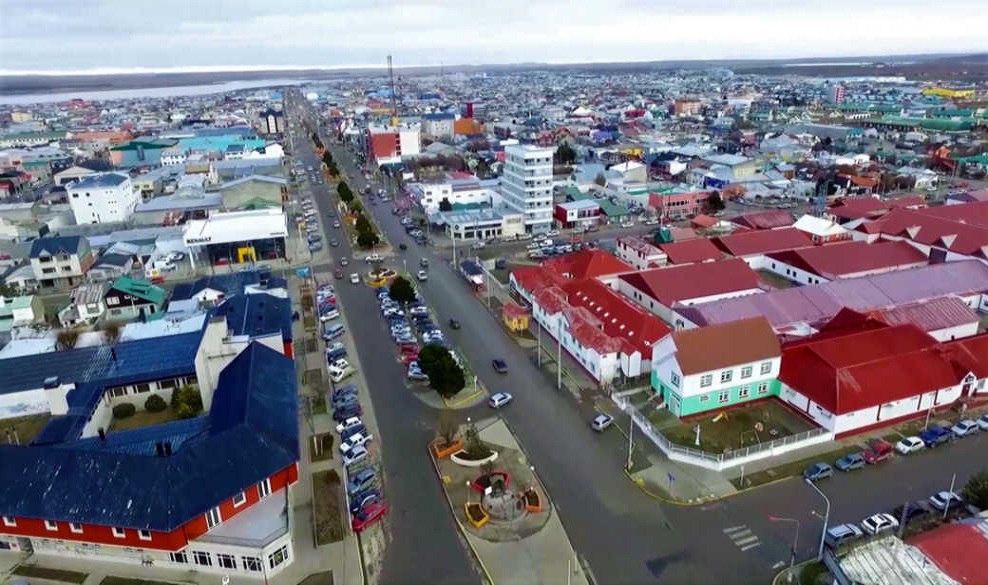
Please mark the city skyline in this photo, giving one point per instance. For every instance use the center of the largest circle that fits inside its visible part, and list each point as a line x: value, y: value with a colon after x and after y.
x: 112, y: 36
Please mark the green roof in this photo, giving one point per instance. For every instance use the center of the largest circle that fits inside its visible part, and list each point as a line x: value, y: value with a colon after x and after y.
x: 141, y: 289
x: 612, y: 209
x: 145, y: 144
x: 951, y: 113
x: 925, y: 123
x: 574, y: 194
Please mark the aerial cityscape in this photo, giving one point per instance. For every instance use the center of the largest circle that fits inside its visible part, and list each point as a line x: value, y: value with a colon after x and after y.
x: 360, y: 294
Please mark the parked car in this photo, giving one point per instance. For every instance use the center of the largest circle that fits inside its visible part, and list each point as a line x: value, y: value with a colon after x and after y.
x: 850, y: 462
x: 354, y: 440
x: 842, y: 533
x: 601, y: 422
x: 355, y: 455
x: 329, y: 314
x: 361, y: 499
x: 964, y: 428
x: 361, y: 481
x: 983, y: 421
x: 367, y: 516
x: 818, y: 471
x: 500, y: 366
x: 909, y: 445
x: 353, y: 410
x: 500, y: 399
x: 879, y: 523
x: 878, y: 451
x: 946, y: 501
x: 348, y: 424
x: 934, y: 436
x: 907, y: 512
x: 348, y: 390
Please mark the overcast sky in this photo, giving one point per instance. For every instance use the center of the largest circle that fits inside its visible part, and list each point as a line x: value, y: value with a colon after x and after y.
x: 87, y: 35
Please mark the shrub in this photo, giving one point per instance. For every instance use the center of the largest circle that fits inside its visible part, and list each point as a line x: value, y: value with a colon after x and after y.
x: 125, y: 410
x: 155, y: 403
x: 187, y: 402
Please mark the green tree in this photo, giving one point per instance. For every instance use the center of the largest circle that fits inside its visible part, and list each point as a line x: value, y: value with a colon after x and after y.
x: 445, y: 375
x: 975, y: 491
x: 332, y: 169
x: 715, y: 202
x: 186, y: 401
x: 364, y: 225
x: 401, y: 290
x: 445, y: 205
x: 367, y: 240
x: 355, y: 207
x: 565, y: 155
x: 345, y: 193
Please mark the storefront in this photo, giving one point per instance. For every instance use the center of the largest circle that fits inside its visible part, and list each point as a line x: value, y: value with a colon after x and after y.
x: 237, y: 237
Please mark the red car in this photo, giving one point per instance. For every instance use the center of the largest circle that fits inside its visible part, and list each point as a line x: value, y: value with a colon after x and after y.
x: 407, y: 358
x: 408, y: 348
x: 370, y: 514
x: 878, y: 451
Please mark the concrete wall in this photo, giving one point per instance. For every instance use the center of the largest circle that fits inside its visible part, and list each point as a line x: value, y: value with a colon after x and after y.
x: 24, y: 403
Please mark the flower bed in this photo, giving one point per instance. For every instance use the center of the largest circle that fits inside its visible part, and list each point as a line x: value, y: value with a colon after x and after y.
x: 484, y: 481
x: 463, y: 459
x: 440, y: 450
x: 533, y: 501
x: 476, y: 514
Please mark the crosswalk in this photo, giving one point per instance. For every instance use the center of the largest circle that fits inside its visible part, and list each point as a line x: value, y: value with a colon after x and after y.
x: 742, y: 537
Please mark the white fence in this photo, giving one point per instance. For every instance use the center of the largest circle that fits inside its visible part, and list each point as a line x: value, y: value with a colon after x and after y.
x: 721, y: 461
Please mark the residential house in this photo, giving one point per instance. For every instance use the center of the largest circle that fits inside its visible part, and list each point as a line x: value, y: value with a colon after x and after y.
x: 20, y: 311
x: 60, y: 261
x: 130, y: 298
x: 86, y: 304
x: 710, y: 368
x: 822, y: 230
x: 639, y: 253
x: 110, y: 266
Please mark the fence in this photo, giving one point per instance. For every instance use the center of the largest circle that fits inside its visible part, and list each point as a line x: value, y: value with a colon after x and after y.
x: 720, y: 461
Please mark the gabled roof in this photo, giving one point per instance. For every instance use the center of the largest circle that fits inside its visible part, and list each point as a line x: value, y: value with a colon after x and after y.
x: 257, y: 315
x: 690, y: 251
x: 251, y: 433
x: 931, y: 315
x: 762, y: 241
x: 693, y: 281
x: 586, y: 264
x: 617, y: 317
x: 970, y: 354
x: 850, y: 258
x: 720, y: 346
x: 55, y: 245
x: 959, y: 228
x: 141, y: 289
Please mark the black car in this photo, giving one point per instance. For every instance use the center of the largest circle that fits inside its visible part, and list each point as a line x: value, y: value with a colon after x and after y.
x: 350, y: 411
x: 454, y: 324
x: 403, y: 246
x: 913, y: 510
x: 500, y: 366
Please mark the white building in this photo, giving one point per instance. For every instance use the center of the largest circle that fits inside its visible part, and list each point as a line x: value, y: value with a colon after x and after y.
x: 388, y: 144
x: 640, y: 253
x: 526, y: 184
x: 174, y: 156
x: 457, y: 189
x: 103, y: 198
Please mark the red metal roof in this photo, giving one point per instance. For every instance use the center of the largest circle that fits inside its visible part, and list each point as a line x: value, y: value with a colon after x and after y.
x: 618, y: 317
x: 552, y: 299
x: 959, y: 228
x: 693, y: 281
x: 858, y: 207
x: 930, y: 315
x: 953, y: 548
x: 535, y: 278
x: 762, y: 241
x: 838, y: 260
x: 690, y: 251
x: 765, y: 220
x: 586, y: 264
x: 970, y: 354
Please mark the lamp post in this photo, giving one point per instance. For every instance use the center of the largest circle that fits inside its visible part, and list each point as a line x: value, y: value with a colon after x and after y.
x: 826, y: 517
x: 795, y: 542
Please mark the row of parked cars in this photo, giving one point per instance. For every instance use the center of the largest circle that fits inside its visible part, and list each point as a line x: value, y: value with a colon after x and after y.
x: 939, y: 504
x: 879, y: 450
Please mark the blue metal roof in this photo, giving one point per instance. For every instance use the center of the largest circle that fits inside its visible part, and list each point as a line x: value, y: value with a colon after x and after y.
x: 251, y: 432
x: 143, y: 441
x: 55, y: 245
x: 258, y: 314
x: 228, y: 284
x: 99, y: 181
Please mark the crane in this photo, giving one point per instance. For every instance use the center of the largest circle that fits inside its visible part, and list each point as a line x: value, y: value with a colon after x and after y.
x: 394, y: 94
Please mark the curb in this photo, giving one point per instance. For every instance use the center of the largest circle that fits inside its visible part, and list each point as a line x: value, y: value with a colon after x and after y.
x: 464, y: 400
x: 700, y: 501
x: 779, y: 577
x: 449, y: 502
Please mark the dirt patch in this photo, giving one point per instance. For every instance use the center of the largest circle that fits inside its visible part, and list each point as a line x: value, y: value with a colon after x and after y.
x: 51, y: 574
x: 23, y: 429
x: 321, y: 447
x: 327, y: 498
x: 311, y: 345
x: 143, y: 418
x: 312, y: 378
x: 738, y: 428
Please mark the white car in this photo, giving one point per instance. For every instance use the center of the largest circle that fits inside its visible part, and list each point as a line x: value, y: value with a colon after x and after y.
x: 552, y: 233
x: 329, y: 315
x: 356, y: 455
x: 879, y: 523
x: 964, y: 428
x: 909, y: 445
x: 942, y: 500
x: 422, y: 276
x: 337, y: 375
x: 354, y: 278
x: 500, y: 399
x: 983, y: 421
x: 373, y: 258
x: 601, y: 422
x: 349, y: 423
x: 355, y: 440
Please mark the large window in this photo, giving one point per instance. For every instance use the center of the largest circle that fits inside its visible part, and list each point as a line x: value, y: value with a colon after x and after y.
x: 226, y: 561
x: 706, y: 380
x: 213, y: 517
x: 178, y: 557
x: 202, y: 558
x: 726, y: 375
x: 277, y: 557
x: 251, y: 563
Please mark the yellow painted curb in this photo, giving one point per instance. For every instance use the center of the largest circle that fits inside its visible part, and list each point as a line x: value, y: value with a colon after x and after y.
x: 449, y: 502
x: 462, y: 400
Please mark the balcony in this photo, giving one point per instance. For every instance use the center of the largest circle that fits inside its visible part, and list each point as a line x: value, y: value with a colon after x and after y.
x: 255, y: 527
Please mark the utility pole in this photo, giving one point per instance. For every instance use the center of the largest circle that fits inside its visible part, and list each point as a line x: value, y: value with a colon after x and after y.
x: 538, y: 337
x: 950, y: 497
x: 826, y: 518
x: 559, y: 356
x: 631, y: 434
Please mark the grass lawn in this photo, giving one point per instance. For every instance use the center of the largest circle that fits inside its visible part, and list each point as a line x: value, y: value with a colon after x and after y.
x: 51, y: 574
x: 309, y: 322
x: 143, y: 418
x: 325, y: 440
x: 814, y: 574
x: 111, y: 580
x: 792, y: 468
x: 739, y: 427
x: 319, y: 403
x: 327, y: 501
x: 23, y: 429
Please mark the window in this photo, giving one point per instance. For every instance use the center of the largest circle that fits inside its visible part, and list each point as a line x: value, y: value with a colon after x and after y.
x: 674, y: 379
x: 213, y: 517
x: 142, y: 388
x: 239, y: 499
x: 226, y: 561
x: 165, y: 384
x: 726, y: 375
x: 178, y: 557
x: 706, y: 380
x: 744, y: 392
x: 745, y: 372
x: 264, y: 488
x: 75, y: 528
x: 277, y: 557
x: 704, y: 398
x: 766, y: 367
x: 144, y: 534
x: 724, y: 397
x: 202, y: 558
x: 251, y: 563
x: 9, y: 521
x: 763, y: 388
x: 119, y: 532
x: 52, y: 526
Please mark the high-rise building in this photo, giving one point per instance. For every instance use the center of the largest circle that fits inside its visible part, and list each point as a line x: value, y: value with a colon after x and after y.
x: 388, y: 144
x: 102, y: 198
x: 835, y: 93
x: 526, y: 185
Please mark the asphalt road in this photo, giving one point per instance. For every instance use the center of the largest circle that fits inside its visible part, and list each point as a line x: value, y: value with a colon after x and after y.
x: 626, y: 536
x: 424, y: 547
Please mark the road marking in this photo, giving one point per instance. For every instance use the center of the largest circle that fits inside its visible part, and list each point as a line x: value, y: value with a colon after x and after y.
x: 747, y: 540
x: 742, y: 537
x: 750, y: 546
x: 733, y: 529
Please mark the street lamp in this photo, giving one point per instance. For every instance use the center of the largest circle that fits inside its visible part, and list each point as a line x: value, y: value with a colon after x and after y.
x: 795, y: 542
x: 826, y: 517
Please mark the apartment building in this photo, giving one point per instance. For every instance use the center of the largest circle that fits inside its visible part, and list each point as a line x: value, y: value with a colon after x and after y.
x: 103, y: 198
x: 526, y: 185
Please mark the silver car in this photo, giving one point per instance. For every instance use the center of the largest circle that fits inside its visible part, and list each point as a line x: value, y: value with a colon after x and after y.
x: 601, y: 422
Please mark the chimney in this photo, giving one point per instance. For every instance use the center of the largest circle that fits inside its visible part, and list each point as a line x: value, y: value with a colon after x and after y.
x: 168, y: 449
x: 159, y: 448
x: 102, y: 434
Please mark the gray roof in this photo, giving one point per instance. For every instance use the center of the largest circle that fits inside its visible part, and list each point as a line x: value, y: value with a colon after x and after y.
x: 180, y: 201
x: 99, y: 181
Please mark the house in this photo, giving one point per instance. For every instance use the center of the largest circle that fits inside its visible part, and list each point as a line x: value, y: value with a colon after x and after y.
x: 515, y: 317
x: 185, y: 494
x: 60, y: 261
x: 692, y: 251
x: 20, y: 311
x: 852, y: 381
x: 853, y: 259
x: 577, y: 214
x: 102, y: 198
x: 86, y: 304
x: 764, y: 220
x: 639, y: 253
x: 109, y: 266
x: 661, y: 289
x: 821, y: 230
x: 130, y: 298
x: 710, y: 368
x: 753, y: 246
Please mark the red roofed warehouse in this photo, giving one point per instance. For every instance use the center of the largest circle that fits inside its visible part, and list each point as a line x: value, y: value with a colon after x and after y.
x: 844, y: 260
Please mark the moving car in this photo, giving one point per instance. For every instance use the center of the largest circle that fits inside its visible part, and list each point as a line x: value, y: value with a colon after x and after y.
x: 946, y: 500
x: 850, y: 462
x: 424, y: 262
x: 964, y: 428
x: 818, y: 471
x: 910, y: 445
x: 422, y: 276
x: 367, y: 516
x: 500, y: 366
x: 354, y: 278
x: 454, y: 324
x: 879, y: 523
x: 500, y: 399
x: 601, y: 422
x: 838, y: 535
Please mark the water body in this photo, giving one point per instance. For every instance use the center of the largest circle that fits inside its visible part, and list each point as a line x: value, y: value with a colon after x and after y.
x: 150, y: 92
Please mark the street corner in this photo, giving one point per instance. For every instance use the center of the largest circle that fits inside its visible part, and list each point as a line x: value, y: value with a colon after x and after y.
x: 373, y: 542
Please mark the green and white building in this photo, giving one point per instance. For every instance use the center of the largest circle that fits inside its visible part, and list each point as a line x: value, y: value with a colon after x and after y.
x: 715, y: 367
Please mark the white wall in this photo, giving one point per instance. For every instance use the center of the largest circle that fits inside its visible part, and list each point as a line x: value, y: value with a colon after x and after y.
x: 956, y: 332
x: 691, y: 385
x: 25, y: 403
x: 105, y: 205
x: 791, y: 273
